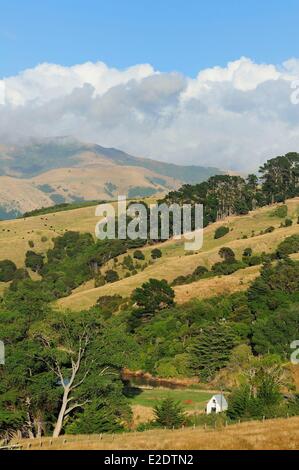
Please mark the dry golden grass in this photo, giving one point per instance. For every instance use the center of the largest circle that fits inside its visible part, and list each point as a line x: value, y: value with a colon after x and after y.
x: 169, y: 267
x: 15, y: 235
x: 279, y: 434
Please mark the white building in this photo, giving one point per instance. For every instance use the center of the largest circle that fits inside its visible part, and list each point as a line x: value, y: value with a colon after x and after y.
x: 217, y: 404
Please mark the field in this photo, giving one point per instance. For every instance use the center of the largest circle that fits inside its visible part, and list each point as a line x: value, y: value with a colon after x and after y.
x: 279, y: 434
x: 143, y: 403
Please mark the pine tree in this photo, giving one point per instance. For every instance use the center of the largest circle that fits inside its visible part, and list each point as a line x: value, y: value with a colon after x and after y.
x: 169, y: 414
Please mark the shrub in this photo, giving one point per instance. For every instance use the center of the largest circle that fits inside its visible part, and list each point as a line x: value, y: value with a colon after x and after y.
x: 254, y: 260
x: 280, y: 211
x: 221, y: 232
x: 99, y: 280
x: 138, y: 255
x: 111, y: 276
x: 269, y: 229
x: 7, y: 270
x: 156, y: 253
x: 128, y: 263
x: 288, y: 223
x: 31, y: 243
x: 44, y: 239
x: 200, y: 271
x: 288, y: 246
x: 227, y: 254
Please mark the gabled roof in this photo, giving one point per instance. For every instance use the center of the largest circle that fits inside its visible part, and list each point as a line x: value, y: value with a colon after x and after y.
x: 220, y: 399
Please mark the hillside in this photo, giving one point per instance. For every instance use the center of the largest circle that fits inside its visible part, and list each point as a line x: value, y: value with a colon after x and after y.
x: 279, y: 434
x: 171, y: 266
x: 16, y: 234
x: 43, y: 173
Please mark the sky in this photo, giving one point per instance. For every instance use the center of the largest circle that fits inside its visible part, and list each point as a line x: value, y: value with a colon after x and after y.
x: 204, y: 82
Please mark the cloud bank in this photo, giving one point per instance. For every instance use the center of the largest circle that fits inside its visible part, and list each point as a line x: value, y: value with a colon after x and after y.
x: 233, y: 117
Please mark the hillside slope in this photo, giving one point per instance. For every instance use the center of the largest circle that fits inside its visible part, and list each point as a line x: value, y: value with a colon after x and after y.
x: 276, y: 434
x: 16, y: 234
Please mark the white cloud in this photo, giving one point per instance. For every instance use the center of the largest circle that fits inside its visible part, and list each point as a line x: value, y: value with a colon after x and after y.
x: 232, y: 117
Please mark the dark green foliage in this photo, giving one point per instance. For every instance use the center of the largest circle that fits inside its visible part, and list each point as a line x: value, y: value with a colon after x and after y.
x: 227, y: 254
x: 247, y: 253
x: 211, y: 350
x: 111, y: 276
x: 269, y: 229
x: 274, y: 288
x: 275, y: 333
x: 109, y: 304
x: 288, y: 246
x: 128, y: 263
x: 169, y: 414
x: 288, y: 223
x: 200, y: 271
x: 34, y: 261
x: 7, y: 270
x: 260, y: 395
x: 152, y: 297
x: 221, y: 232
x: 138, y: 255
x: 280, y: 211
x: 156, y: 253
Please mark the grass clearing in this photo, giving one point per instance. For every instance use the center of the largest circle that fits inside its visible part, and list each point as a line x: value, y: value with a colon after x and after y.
x: 191, y: 400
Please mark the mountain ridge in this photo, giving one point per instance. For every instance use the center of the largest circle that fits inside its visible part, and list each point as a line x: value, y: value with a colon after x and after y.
x: 63, y: 169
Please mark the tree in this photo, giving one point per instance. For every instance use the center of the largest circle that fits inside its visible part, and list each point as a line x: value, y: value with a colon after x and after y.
x: 169, y: 414
x: 260, y: 394
x: 34, y: 261
x: 227, y: 254
x: 76, y: 352
x: 153, y: 296
x: 156, y: 253
x: 7, y: 270
x: 211, y: 350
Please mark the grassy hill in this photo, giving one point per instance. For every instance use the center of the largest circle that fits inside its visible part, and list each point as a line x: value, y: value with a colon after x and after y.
x: 279, y: 434
x: 16, y: 234
x: 175, y: 261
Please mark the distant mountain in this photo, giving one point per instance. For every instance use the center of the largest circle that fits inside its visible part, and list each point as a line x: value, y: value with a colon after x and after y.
x: 45, y: 172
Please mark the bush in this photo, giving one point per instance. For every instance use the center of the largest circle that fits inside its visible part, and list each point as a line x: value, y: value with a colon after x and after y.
x: 288, y: 246
x: 269, y: 229
x: 7, y: 270
x: 128, y: 263
x: 288, y: 223
x: 221, y: 232
x: 99, y: 280
x: 44, y: 239
x: 31, y: 243
x: 156, y: 253
x: 111, y: 276
x: 280, y: 211
x: 138, y: 255
x: 200, y: 271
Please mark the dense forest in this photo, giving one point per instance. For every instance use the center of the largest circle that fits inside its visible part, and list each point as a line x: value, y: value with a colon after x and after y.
x: 63, y: 371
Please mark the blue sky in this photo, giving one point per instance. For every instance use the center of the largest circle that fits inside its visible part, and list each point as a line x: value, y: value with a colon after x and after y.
x: 181, y: 35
